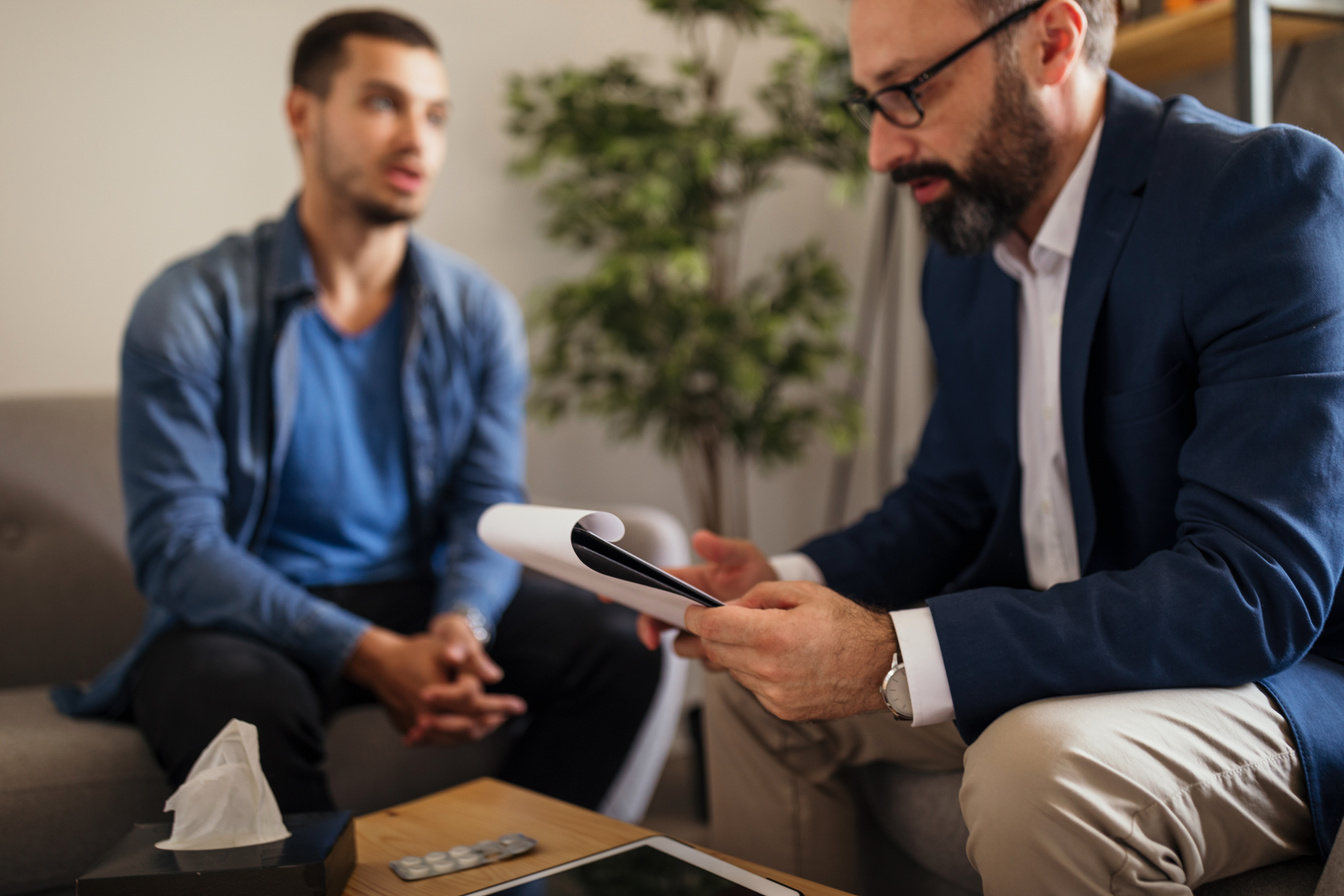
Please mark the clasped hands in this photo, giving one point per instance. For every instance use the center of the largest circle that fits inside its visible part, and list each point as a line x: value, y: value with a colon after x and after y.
x: 433, y: 684
x: 805, y: 651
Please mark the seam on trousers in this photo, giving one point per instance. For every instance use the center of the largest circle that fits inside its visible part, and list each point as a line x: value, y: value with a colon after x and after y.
x: 1128, y: 851
x: 786, y: 738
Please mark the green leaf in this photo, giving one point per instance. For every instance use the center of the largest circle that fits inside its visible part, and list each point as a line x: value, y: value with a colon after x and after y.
x: 663, y: 337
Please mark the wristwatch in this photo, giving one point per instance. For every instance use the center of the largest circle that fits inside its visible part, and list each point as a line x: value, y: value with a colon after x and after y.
x: 476, y: 621
x: 896, y: 690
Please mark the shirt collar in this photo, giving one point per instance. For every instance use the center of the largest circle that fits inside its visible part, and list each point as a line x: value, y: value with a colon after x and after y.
x: 293, y: 273
x: 1059, y: 232
x: 293, y: 266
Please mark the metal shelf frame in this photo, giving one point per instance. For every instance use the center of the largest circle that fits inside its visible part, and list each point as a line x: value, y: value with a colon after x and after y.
x: 1255, y: 50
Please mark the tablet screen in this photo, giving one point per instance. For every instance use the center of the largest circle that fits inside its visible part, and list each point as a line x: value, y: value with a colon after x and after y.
x: 643, y: 870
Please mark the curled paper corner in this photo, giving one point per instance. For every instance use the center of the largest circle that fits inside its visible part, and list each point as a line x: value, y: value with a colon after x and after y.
x: 607, y: 526
x: 549, y: 540
x: 225, y: 801
x: 519, y: 526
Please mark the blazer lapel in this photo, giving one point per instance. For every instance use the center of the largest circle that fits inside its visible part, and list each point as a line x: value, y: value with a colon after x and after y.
x: 1128, y: 138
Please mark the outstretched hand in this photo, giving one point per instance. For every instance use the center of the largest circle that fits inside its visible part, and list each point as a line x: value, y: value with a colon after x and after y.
x: 733, y: 567
x: 806, y: 652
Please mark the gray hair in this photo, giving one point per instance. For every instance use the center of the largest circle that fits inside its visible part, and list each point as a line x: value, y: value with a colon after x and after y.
x: 1101, y: 23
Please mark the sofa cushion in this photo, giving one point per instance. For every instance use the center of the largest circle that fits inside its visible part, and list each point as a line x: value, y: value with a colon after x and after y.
x: 69, y: 790
x: 368, y: 768
x: 65, y: 580
x: 927, y: 826
x: 1332, y: 877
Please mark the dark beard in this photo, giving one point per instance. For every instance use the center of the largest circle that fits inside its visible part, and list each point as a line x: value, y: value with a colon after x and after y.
x: 1006, y: 170
x: 377, y: 214
x: 341, y: 180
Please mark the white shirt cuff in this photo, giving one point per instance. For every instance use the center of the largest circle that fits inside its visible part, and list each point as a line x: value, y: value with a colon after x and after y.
x: 797, y: 567
x: 930, y: 694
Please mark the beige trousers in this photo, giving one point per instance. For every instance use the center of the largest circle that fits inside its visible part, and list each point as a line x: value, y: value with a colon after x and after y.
x: 1150, y: 792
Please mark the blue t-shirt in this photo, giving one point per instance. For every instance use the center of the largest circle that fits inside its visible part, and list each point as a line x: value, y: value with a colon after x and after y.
x: 343, y: 513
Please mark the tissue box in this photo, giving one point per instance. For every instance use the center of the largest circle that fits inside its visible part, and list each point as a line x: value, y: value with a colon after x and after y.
x: 316, y: 860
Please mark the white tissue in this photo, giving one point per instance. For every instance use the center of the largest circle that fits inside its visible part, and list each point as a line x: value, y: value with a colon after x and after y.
x: 226, y: 800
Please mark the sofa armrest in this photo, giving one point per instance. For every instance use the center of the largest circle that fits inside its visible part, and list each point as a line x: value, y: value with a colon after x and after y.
x: 658, y: 537
x: 653, y: 534
x: 1332, y: 879
x: 70, y: 601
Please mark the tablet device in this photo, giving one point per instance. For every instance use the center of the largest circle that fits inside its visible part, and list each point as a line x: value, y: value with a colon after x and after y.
x: 654, y: 866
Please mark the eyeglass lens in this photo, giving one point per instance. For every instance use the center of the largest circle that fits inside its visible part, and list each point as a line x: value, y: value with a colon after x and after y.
x: 896, y: 105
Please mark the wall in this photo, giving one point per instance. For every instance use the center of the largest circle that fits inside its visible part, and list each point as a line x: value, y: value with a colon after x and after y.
x: 139, y: 131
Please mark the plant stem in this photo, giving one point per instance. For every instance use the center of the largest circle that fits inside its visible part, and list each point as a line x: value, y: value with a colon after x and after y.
x: 727, y: 53
x: 709, y: 452
x: 739, y: 520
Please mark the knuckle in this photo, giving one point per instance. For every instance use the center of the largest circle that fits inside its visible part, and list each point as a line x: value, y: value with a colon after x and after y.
x: 776, y: 641
x: 771, y: 671
x: 776, y: 709
x: 780, y: 705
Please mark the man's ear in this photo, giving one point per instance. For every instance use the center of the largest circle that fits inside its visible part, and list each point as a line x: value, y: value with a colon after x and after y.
x: 1057, y: 41
x: 300, y: 111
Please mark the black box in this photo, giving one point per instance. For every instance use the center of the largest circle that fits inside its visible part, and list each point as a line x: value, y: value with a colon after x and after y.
x: 316, y: 860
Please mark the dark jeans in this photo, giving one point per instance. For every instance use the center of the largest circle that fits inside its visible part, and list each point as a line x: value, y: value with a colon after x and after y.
x: 586, y: 679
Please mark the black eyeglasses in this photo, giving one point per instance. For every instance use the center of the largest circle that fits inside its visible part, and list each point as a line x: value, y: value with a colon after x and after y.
x: 899, y: 103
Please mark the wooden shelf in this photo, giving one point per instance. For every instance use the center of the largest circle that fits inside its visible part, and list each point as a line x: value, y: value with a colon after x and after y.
x: 1167, y: 46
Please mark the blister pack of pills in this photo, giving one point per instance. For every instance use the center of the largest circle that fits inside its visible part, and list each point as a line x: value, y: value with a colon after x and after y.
x: 459, y: 858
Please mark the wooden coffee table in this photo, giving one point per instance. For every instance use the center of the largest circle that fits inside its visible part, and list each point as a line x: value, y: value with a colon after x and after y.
x: 484, y: 809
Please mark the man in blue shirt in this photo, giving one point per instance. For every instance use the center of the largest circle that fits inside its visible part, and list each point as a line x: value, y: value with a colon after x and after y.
x: 313, y: 417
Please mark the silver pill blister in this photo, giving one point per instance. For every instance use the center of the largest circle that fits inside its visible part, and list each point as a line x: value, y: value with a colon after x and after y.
x: 459, y: 858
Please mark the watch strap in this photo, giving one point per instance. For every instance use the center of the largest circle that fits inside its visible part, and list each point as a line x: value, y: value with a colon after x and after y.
x: 476, y: 621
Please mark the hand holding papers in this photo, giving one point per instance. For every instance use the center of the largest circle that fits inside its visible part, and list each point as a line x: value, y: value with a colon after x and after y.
x: 576, y: 546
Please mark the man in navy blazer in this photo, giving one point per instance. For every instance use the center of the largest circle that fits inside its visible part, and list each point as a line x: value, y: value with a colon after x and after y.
x: 1113, y: 563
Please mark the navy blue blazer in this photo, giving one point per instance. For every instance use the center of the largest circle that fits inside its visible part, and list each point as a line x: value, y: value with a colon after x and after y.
x: 1202, y: 382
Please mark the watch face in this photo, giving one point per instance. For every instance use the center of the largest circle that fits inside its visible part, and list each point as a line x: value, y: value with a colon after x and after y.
x: 896, y: 691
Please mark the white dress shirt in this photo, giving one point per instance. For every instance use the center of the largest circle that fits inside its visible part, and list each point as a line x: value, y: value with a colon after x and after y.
x: 1048, y: 532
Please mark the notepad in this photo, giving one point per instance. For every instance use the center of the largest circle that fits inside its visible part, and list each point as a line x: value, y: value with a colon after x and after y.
x: 576, y: 546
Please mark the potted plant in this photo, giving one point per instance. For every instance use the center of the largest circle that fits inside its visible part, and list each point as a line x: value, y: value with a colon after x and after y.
x: 666, y: 333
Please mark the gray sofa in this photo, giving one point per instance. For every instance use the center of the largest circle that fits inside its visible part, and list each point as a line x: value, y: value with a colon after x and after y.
x: 69, y: 788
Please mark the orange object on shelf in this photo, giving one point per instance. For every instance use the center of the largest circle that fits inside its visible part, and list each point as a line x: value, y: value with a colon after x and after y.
x: 1168, y: 45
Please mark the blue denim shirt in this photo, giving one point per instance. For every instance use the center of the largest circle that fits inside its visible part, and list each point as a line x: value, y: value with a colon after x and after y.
x: 209, y: 385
